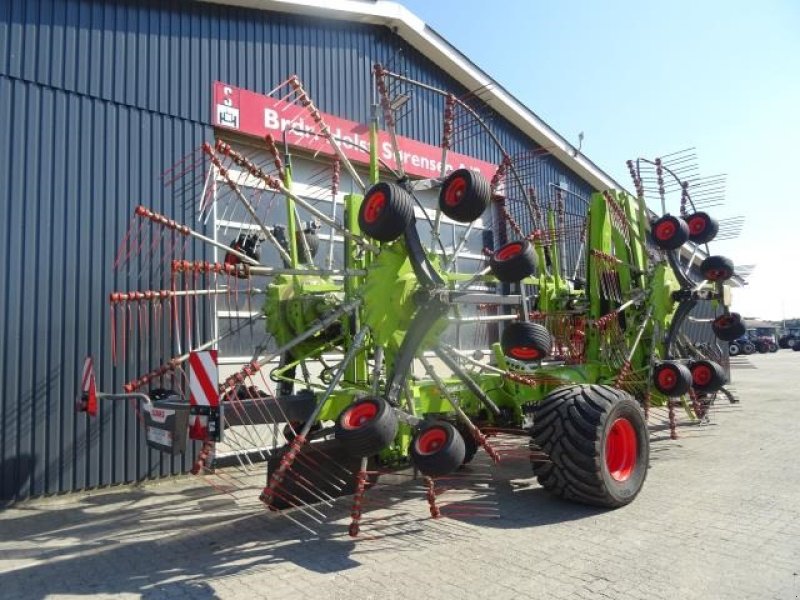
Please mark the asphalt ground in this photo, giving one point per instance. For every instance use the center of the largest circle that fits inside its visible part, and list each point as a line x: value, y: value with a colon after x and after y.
x: 719, y: 517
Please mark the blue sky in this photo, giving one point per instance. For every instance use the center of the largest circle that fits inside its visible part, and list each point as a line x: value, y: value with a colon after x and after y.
x: 643, y: 79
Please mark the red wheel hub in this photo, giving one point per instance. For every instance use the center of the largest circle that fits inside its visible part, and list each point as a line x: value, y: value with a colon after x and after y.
x: 702, y: 375
x: 724, y: 321
x: 359, y: 415
x: 666, y: 230
x: 374, y: 207
x: 622, y: 448
x: 667, y: 378
x: 509, y: 251
x: 525, y: 353
x: 697, y: 225
x: 430, y: 441
x: 717, y: 274
x: 454, y: 191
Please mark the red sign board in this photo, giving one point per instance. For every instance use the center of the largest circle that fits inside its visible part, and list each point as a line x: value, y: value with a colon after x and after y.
x: 257, y: 115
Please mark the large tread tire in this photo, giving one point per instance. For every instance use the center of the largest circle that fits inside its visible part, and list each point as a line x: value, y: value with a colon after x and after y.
x: 572, y: 426
x: 672, y: 378
x: 702, y: 227
x: 386, y: 212
x: 437, y: 449
x: 366, y: 427
x: 734, y: 349
x: 526, y: 341
x: 748, y: 348
x: 670, y: 232
x: 717, y: 268
x: 796, y: 346
x: 513, y: 261
x: 707, y: 376
x: 729, y: 327
x: 464, y: 195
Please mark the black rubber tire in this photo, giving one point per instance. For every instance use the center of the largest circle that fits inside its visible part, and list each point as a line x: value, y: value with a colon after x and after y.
x: 366, y: 427
x: 310, y: 479
x: 796, y: 346
x: 702, y: 227
x: 734, y: 349
x: 437, y: 449
x: 470, y: 445
x: 717, y: 268
x: 386, y: 211
x: 313, y: 245
x: 728, y: 327
x: 571, y: 425
x: 464, y: 195
x: 773, y: 347
x: 513, y: 261
x: 786, y: 341
x: 527, y: 342
x: 748, y: 348
x: 672, y: 378
x: 707, y: 376
x: 762, y: 347
x: 670, y: 232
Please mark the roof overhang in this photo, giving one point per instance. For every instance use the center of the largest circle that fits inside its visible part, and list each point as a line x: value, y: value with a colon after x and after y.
x: 419, y: 35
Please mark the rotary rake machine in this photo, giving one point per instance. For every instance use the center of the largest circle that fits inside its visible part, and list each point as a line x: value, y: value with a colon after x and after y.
x: 355, y: 376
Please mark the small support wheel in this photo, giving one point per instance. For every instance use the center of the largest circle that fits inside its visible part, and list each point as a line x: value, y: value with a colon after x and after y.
x: 728, y: 327
x: 672, y: 378
x: 526, y: 341
x: 437, y: 449
x: 366, y: 427
x: 464, y: 195
x: 669, y: 232
x: 707, y: 376
x: 385, y: 212
x: 702, y: 228
x: 513, y: 261
x: 717, y: 268
x: 470, y: 444
x: 597, y: 441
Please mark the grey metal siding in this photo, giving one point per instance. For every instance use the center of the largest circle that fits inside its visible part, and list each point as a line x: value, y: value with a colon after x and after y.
x: 96, y: 99
x: 75, y: 168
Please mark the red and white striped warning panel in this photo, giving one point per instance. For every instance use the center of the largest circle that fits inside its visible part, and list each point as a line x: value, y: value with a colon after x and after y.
x: 89, y: 388
x: 206, y: 420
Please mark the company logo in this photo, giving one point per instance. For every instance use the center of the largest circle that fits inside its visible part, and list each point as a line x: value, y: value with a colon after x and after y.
x: 227, y: 107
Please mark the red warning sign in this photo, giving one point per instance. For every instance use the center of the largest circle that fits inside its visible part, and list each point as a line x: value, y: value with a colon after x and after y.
x: 89, y: 387
x: 204, y: 396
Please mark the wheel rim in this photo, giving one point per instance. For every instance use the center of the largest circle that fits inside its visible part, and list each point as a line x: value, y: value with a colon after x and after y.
x: 665, y: 231
x: 509, y: 251
x: 524, y: 353
x: 359, y: 415
x: 702, y: 375
x: 621, y: 450
x: 454, y: 191
x: 697, y: 225
x: 667, y: 378
x: 374, y: 207
x: 724, y: 322
x: 430, y: 441
x: 717, y: 274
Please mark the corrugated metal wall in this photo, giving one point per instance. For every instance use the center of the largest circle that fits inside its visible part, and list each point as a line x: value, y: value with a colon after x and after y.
x: 96, y: 99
